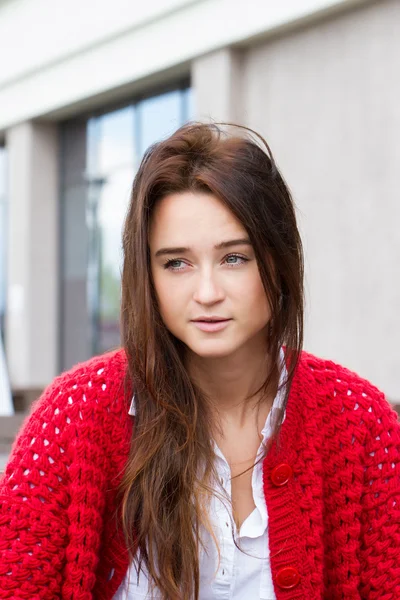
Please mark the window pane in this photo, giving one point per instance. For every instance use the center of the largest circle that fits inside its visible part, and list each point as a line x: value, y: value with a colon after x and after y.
x: 100, y: 157
x: 111, y: 159
x: 113, y: 204
x: 158, y: 117
x: 75, y: 317
x: 189, y: 105
x: 111, y: 141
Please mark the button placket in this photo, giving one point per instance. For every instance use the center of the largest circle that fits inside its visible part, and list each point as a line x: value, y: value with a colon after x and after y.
x: 264, y: 581
x: 223, y: 578
x: 287, y: 577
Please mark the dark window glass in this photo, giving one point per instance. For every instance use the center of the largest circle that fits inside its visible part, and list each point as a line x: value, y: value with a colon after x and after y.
x: 100, y: 157
x: 112, y: 158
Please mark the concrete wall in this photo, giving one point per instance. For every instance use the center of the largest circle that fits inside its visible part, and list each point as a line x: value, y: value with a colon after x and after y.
x: 327, y: 100
x: 324, y: 95
x: 32, y: 304
x: 84, y: 57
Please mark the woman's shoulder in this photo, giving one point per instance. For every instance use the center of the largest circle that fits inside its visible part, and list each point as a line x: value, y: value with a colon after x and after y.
x: 108, y: 366
x: 343, y: 392
x: 89, y: 395
x: 325, y: 370
x: 100, y: 377
x: 83, y: 405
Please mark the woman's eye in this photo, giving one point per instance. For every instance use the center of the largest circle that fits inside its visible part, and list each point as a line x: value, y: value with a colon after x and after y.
x: 174, y: 265
x: 235, y: 259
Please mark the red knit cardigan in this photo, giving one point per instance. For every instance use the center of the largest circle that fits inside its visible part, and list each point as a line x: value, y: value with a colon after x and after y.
x: 332, y: 490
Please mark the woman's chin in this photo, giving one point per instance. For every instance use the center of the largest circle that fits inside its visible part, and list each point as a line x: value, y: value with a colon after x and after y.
x: 212, y: 349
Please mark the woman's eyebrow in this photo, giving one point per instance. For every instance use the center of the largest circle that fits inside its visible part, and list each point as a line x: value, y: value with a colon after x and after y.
x: 183, y: 249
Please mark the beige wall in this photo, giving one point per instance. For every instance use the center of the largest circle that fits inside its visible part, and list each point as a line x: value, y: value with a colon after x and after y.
x: 31, y: 319
x: 86, y: 58
x: 216, y: 81
x: 327, y: 99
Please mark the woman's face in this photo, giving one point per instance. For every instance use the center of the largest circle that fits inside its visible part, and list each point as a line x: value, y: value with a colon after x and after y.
x: 204, y: 266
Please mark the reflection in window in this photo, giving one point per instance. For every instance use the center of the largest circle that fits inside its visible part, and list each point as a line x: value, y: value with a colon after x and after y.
x: 111, y: 141
x: 100, y: 157
x: 158, y: 117
x: 111, y: 160
x: 115, y: 144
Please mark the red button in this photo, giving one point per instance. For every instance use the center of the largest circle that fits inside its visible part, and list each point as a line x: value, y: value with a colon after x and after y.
x: 287, y: 578
x: 281, y: 474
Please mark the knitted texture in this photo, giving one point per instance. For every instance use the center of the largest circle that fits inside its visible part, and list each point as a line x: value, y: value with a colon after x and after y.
x: 334, y: 518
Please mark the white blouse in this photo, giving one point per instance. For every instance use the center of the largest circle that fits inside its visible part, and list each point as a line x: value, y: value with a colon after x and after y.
x: 244, y: 573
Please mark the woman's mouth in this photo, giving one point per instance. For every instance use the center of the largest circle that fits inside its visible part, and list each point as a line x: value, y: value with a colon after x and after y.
x: 211, y: 325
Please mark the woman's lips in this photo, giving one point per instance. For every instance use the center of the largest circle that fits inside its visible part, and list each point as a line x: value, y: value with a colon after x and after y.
x: 211, y: 326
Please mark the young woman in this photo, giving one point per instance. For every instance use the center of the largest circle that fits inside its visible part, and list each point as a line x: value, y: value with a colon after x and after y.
x: 210, y: 457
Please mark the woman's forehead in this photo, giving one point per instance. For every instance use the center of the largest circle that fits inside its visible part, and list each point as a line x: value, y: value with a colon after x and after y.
x: 185, y: 218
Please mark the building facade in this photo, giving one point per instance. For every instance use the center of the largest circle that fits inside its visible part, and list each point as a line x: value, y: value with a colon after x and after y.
x: 87, y: 91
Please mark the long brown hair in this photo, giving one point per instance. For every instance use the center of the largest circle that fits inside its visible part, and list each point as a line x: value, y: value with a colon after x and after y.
x: 165, y: 486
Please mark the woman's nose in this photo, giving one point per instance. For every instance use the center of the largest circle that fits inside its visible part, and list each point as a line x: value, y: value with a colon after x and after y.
x: 208, y: 289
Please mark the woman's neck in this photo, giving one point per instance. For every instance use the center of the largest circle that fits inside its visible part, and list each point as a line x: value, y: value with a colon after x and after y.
x: 230, y: 382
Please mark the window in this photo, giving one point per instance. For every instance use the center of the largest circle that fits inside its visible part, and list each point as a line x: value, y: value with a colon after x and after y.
x: 100, y: 157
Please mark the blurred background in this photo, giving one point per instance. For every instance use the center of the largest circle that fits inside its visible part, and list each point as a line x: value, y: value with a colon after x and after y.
x: 86, y: 87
